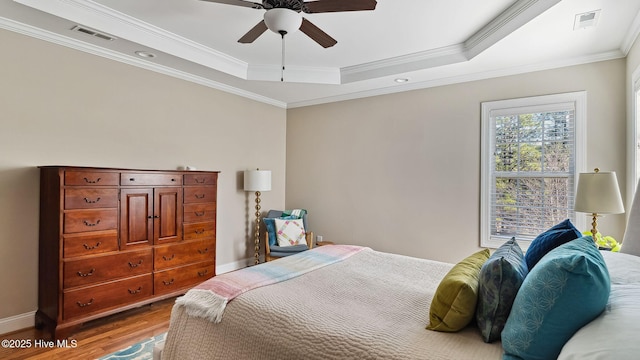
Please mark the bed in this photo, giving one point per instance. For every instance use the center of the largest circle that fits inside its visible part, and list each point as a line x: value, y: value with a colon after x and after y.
x: 346, y: 302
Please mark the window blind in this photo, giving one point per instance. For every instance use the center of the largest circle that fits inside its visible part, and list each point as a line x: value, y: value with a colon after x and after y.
x: 532, y: 168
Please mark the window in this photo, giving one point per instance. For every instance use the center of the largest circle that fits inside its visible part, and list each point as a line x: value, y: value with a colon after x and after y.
x: 532, y: 151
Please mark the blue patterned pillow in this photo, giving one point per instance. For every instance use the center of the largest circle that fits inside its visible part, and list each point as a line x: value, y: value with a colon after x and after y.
x: 557, y: 235
x: 500, y: 278
x: 568, y: 288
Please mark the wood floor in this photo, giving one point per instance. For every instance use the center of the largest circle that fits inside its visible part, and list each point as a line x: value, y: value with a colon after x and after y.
x: 99, y: 337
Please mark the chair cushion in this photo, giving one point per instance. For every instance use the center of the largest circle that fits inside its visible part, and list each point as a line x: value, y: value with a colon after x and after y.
x: 290, y: 232
x: 567, y: 289
x: 500, y: 278
x: 288, y: 249
x: 454, y: 303
x: 557, y: 235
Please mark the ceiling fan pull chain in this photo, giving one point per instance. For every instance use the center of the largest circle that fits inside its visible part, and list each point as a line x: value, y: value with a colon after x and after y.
x: 282, y: 70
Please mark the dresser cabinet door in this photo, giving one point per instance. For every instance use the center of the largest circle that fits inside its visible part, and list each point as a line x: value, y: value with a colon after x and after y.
x: 136, y: 217
x: 167, y: 215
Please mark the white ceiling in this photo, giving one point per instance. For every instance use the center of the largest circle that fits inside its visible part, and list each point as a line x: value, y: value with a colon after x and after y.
x: 428, y: 42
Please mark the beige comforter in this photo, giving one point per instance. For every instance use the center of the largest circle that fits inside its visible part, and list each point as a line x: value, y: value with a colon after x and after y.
x: 372, y: 305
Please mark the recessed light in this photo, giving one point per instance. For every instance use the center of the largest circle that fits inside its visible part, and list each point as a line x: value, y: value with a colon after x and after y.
x: 401, y: 80
x: 145, y: 54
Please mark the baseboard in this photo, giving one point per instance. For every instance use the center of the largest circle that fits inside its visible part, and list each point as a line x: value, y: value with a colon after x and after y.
x: 236, y: 265
x: 17, y: 322
x: 27, y: 320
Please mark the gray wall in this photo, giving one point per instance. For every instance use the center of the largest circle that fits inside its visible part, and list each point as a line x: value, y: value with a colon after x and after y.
x: 64, y: 107
x: 401, y: 173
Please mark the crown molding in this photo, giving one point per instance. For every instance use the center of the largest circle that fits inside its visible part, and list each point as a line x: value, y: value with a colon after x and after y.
x: 631, y: 36
x: 518, y: 14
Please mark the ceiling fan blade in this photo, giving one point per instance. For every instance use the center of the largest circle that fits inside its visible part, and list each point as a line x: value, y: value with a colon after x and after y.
x: 238, y: 3
x: 321, y: 6
x: 254, y: 33
x: 316, y: 34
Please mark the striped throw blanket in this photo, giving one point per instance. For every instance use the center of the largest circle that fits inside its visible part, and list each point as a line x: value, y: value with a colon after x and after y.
x: 209, y: 299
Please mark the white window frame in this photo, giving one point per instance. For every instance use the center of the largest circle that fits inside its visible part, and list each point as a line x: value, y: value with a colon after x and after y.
x: 579, y: 99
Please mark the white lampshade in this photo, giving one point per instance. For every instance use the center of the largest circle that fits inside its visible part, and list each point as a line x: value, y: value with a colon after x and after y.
x: 281, y: 19
x: 598, y: 193
x: 257, y: 180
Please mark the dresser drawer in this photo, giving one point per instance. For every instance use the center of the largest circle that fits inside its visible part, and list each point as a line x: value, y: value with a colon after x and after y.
x: 199, y: 212
x: 169, y: 256
x: 168, y: 281
x: 82, y: 198
x: 89, y: 244
x: 199, y: 194
x: 106, y: 267
x: 150, y: 179
x: 199, y: 230
x: 91, y: 178
x: 86, y: 301
x: 200, y: 179
x: 90, y: 220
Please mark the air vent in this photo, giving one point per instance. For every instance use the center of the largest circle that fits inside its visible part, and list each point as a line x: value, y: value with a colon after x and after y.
x: 92, y: 32
x: 586, y: 20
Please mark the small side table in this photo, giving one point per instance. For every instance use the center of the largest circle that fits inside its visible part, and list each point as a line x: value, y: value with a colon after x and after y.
x: 323, y: 243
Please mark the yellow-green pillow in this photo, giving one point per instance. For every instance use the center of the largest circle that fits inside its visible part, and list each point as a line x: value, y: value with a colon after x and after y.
x: 454, y: 303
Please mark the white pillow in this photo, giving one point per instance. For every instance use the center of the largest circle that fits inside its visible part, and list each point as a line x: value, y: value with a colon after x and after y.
x: 290, y: 232
x: 613, y: 334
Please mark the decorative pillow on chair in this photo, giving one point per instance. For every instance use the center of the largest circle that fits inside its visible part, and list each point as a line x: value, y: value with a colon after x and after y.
x: 270, y: 225
x: 549, y: 240
x: 500, y: 278
x: 568, y: 288
x: 454, y: 303
x: 290, y: 232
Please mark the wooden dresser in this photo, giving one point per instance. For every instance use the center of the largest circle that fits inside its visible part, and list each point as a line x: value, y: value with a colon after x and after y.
x: 116, y: 239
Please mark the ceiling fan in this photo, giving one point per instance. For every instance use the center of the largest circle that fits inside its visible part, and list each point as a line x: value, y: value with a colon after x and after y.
x: 283, y: 16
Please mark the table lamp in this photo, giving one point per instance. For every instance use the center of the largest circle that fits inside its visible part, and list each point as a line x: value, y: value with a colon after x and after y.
x: 598, y: 193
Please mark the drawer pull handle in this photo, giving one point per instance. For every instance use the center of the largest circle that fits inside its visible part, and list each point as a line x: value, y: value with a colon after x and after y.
x: 167, y: 283
x: 87, y: 223
x: 169, y: 258
x: 203, y: 251
x: 89, y: 247
x: 200, y: 213
x: 89, y: 201
x: 86, y: 274
x: 85, y: 304
x: 133, y: 292
x: 134, y: 265
x: 199, y: 196
x: 200, y: 181
x: 132, y: 179
x: 92, y: 181
x: 203, y: 273
x: 172, y: 179
x: 199, y: 231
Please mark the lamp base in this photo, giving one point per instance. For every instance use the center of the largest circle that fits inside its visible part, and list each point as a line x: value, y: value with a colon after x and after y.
x: 594, y: 226
x: 256, y: 239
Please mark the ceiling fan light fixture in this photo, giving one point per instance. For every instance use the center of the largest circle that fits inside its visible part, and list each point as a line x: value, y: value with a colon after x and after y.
x: 281, y: 20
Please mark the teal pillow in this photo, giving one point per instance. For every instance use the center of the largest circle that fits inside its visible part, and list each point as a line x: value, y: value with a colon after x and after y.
x: 500, y: 278
x: 557, y: 235
x: 567, y: 289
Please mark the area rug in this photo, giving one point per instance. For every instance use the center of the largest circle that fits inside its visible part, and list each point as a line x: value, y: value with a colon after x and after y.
x: 140, y: 351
